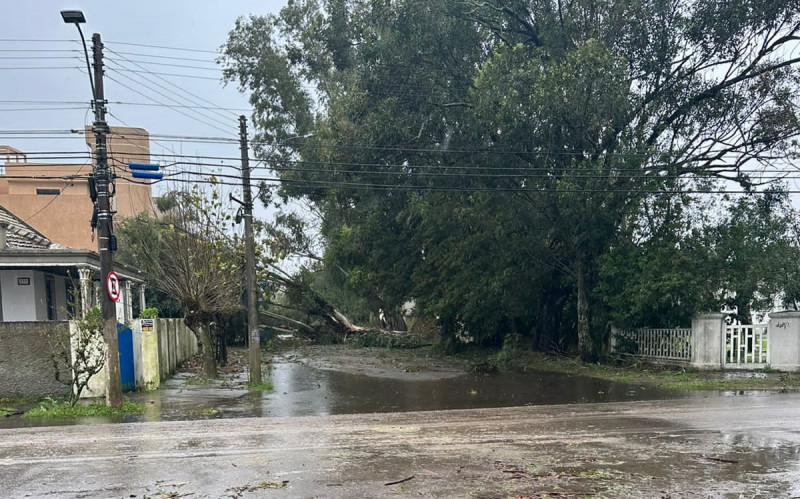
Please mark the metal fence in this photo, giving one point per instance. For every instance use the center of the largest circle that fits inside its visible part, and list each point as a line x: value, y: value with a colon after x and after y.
x: 746, y: 344
x: 667, y: 344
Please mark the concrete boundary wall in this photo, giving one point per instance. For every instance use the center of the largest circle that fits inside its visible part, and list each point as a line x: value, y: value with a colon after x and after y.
x: 176, y: 344
x: 26, y: 369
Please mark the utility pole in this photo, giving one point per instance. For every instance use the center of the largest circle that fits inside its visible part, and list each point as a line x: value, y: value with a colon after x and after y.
x: 250, y: 260
x: 105, y: 238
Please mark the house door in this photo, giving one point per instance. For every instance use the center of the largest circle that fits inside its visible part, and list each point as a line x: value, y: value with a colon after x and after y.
x: 126, y: 372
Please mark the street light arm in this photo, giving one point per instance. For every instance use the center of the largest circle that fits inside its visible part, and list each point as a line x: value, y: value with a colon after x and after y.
x: 88, y: 66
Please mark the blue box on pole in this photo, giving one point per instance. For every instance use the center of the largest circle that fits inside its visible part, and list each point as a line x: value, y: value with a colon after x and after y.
x: 145, y: 170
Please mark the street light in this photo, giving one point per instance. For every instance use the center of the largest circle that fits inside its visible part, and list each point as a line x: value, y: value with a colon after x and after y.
x: 77, y: 18
x: 105, y: 240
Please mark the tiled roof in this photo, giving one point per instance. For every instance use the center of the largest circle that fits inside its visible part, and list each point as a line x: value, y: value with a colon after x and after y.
x: 20, y: 235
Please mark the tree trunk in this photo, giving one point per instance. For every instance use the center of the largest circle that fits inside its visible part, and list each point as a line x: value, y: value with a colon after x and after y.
x: 585, y: 343
x: 203, y: 331
x: 335, y: 319
x: 548, y: 324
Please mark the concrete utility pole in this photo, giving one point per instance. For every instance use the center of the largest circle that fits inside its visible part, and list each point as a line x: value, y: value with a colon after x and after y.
x: 105, y: 239
x: 99, y: 190
x: 250, y: 263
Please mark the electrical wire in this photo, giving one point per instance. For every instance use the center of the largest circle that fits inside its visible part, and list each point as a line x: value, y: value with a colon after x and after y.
x: 203, y: 114
x: 170, y: 64
x: 157, y: 56
x: 206, y: 101
x: 164, y: 104
x: 165, y: 47
x: 177, y: 75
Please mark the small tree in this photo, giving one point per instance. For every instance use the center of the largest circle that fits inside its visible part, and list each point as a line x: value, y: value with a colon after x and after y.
x: 75, y: 362
x: 189, y: 254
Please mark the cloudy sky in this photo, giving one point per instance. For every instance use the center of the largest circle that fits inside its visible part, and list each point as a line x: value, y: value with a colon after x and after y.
x: 44, y: 87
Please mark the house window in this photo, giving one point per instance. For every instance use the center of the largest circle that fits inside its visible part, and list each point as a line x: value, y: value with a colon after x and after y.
x: 50, y: 290
x: 48, y: 192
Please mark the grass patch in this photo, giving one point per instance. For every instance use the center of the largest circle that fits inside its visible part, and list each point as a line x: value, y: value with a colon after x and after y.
x: 59, y: 409
x: 265, y: 386
x: 668, y: 377
x: 199, y: 381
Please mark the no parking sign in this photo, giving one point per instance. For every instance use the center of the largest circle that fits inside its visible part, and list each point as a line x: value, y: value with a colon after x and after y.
x: 112, y: 286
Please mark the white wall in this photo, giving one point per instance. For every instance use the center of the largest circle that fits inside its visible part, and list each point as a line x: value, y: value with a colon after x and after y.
x: 18, y: 301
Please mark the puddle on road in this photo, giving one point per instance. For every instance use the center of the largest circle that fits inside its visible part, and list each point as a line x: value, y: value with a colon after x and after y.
x: 303, y: 390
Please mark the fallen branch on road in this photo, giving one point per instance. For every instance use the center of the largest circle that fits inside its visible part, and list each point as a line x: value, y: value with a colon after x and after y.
x: 400, y: 481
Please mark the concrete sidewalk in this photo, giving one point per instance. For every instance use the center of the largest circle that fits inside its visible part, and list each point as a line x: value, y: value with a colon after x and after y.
x: 716, y: 447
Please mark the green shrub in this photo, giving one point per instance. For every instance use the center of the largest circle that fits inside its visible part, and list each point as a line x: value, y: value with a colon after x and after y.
x: 149, y: 313
x: 381, y: 340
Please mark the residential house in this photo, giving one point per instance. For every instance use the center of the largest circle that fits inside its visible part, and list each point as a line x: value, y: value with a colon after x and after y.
x: 41, y: 280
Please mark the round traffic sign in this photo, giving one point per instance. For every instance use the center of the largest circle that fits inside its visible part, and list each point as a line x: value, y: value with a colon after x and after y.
x: 112, y: 286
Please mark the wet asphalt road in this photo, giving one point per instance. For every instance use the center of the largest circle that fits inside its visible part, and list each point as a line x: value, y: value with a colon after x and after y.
x: 716, y: 447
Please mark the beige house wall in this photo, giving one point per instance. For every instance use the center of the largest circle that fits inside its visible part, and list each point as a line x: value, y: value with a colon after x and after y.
x: 65, y: 217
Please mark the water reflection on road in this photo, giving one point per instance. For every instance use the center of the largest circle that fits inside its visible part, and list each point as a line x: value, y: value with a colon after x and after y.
x: 303, y: 390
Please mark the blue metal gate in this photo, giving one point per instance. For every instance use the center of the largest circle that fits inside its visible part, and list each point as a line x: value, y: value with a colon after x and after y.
x: 126, y: 373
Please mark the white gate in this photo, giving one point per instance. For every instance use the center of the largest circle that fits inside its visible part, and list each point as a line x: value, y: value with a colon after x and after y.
x: 746, y: 345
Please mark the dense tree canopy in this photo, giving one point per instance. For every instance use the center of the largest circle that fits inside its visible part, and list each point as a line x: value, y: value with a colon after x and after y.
x: 502, y: 162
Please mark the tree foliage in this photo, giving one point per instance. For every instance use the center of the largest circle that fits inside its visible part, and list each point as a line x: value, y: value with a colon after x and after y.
x: 497, y: 161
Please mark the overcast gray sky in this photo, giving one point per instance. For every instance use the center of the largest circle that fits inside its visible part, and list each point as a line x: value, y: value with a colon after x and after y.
x: 201, y: 25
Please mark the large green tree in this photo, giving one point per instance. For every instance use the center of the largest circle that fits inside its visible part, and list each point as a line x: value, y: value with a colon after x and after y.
x: 482, y: 157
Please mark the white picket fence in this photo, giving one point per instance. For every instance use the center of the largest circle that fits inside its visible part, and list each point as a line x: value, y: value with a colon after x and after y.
x: 746, y: 345
x: 663, y: 344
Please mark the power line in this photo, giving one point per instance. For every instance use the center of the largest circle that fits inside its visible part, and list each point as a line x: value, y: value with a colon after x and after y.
x: 76, y: 51
x: 36, y: 40
x: 170, y: 64
x: 161, y: 47
x: 118, y: 103
x: 137, y: 71
x: 17, y: 68
x: 19, y: 109
x: 155, y: 56
x: 183, y: 106
x: 43, y: 102
x: 29, y: 57
x: 206, y: 101
x: 163, y: 104
x: 451, y: 189
x: 204, y: 114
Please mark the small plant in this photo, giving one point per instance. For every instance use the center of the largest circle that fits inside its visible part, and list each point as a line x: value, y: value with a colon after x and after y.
x: 149, y: 313
x: 265, y: 386
x: 512, y: 347
x: 199, y: 380
x: 75, y: 361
